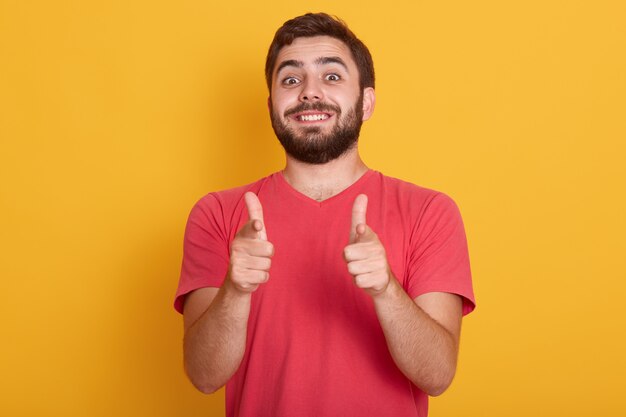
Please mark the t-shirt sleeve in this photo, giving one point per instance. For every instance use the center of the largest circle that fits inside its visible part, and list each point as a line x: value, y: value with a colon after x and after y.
x: 205, y: 249
x: 439, y: 260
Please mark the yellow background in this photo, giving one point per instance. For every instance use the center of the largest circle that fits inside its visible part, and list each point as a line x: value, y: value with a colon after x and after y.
x: 116, y: 116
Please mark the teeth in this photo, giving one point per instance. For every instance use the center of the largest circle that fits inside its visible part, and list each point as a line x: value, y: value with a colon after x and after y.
x: 313, y: 117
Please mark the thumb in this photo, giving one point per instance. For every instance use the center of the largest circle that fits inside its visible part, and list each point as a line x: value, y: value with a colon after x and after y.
x: 364, y: 233
x: 359, y: 214
x: 255, y: 213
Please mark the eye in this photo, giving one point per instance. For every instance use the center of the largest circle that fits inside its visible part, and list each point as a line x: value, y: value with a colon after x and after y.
x: 290, y: 81
x: 332, y: 77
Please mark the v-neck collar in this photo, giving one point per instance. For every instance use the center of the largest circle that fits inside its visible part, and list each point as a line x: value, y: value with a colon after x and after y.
x: 282, y: 182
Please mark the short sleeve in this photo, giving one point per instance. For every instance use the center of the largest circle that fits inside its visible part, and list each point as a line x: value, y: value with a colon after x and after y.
x: 439, y: 259
x: 205, y: 249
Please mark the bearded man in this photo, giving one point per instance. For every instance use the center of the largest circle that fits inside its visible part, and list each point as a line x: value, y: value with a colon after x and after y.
x: 326, y: 289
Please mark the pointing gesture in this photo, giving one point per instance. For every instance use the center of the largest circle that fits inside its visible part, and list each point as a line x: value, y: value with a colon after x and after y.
x: 250, y: 252
x: 359, y: 214
x: 365, y: 255
x: 255, y: 213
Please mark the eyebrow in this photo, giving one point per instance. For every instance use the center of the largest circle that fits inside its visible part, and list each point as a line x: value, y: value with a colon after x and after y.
x: 289, y: 63
x: 331, y: 60
x: 323, y: 60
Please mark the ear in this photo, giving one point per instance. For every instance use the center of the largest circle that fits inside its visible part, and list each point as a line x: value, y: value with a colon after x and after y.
x: 369, y: 102
x: 269, y: 103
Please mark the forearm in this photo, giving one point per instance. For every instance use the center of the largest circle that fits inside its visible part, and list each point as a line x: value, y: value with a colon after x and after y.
x: 422, y: 349
x: 215, y: 344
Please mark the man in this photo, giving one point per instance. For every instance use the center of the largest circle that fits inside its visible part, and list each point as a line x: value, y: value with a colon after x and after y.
x: 327, y: 289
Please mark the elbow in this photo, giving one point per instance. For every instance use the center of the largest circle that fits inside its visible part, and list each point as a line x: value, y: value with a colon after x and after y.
x: 437, y: 390
x: 438, y: 384
x: 205, y: 388
x: 203, y: 384
x: 201, y: 381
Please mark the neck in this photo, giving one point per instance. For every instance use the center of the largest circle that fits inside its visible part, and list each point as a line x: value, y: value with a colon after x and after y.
x: 322, y: 181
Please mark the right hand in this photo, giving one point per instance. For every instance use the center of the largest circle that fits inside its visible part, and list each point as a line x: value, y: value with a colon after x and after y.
x: 250, y: 252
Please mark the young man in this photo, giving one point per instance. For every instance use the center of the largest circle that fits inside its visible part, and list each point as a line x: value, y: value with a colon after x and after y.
x: 327, y: 289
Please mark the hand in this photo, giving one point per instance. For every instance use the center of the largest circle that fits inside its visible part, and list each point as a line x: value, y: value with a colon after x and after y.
x: 365, y: 254
x: 250, y: 252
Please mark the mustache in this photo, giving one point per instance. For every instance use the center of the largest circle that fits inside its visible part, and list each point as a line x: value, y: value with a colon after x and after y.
x: 317, y: 106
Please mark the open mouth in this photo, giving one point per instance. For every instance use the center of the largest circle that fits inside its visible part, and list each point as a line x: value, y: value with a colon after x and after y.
x: 311, y: 117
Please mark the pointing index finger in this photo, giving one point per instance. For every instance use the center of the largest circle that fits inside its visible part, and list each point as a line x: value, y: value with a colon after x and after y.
x: 255, y: 210
x: 255, y: 213
x: 359, y: 214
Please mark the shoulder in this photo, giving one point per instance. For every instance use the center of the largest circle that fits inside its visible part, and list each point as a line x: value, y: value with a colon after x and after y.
x: 228, y: 200
x: 413, y: 198
x: 402, y: 187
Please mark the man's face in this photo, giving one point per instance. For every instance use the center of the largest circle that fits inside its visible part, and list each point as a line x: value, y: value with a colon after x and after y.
x: 316, y: 104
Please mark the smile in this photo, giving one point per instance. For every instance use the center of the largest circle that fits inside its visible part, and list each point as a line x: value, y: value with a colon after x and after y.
x: 312, y: 117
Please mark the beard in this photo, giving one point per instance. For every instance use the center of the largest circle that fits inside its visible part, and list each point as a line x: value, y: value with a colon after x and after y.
x: 313, y: 146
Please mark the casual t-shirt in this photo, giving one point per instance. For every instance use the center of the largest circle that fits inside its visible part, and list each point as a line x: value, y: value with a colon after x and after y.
x: 315, y: 346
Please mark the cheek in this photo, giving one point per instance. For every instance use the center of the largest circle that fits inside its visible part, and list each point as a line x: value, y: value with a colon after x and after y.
x: 282, y: 101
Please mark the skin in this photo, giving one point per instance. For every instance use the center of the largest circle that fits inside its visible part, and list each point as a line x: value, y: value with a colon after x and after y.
x: 422, y: 334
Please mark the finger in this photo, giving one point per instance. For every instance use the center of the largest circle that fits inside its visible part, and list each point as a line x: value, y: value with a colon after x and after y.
x: 364, y: 233
x: 249, y: 261
x: 255, y: 213
x: 359, y: 214
x: 252, y: 276
x: 255, y: 210
x: 257, y: 263
x: 363, y: 250
x: 374, y: 282
x: 366, y: 266
x: 251, y: 230
x: 249, y: 245
x: 240, y: 275
x: 248, y: 287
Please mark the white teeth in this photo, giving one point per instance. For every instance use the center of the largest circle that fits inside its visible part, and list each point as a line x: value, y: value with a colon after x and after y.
x: 313, y: 117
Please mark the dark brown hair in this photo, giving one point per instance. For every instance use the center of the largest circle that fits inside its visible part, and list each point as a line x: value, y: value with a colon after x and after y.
x: 321, y: 24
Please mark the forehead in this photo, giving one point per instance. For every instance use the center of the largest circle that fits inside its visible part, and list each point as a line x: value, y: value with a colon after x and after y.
x: 307, y: 50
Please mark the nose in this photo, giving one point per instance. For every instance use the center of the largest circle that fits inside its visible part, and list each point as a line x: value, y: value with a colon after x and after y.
x: 311, y: 91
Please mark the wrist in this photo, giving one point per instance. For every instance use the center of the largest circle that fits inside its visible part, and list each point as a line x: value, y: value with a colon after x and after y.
x: 390, y: 292
x: 234, y: 291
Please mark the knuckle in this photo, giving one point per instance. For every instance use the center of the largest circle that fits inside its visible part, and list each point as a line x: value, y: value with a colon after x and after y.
x: 235, y: 245
x: 239, y: 245
x: 266, y: 264
x: 248, y: 287
x: 236, y: 258
x: 382, y: 278
x: 360, y: 281
x: 353, y: 269
x: 258, y: 277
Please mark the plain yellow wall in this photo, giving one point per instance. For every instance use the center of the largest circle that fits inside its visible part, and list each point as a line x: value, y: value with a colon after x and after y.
x: 116, y: 116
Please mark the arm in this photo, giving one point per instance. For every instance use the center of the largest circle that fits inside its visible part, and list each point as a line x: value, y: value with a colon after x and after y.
x: 422, y: 334
x: 216, y: 319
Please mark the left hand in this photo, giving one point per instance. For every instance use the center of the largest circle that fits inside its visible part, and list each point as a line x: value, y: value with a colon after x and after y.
x: 365, y: 254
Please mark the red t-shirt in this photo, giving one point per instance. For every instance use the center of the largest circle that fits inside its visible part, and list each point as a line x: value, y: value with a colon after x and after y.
x: 315, y: 346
